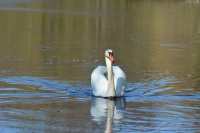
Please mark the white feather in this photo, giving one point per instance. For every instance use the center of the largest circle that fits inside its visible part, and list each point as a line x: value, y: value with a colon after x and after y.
x: 99, y: 81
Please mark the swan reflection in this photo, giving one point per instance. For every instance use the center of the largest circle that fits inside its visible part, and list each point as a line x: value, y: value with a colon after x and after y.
x: 107, y: 110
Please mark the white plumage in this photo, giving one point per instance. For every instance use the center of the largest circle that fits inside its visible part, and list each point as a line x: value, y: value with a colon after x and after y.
x: 108, y: 81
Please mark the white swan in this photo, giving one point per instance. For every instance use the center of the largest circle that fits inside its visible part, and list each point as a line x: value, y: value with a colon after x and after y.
x: 108, y: 81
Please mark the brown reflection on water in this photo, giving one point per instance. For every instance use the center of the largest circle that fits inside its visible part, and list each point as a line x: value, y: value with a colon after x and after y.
x: 46, y: 38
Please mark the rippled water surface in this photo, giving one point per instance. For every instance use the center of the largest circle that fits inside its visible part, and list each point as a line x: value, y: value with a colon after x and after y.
x: 48, y: 49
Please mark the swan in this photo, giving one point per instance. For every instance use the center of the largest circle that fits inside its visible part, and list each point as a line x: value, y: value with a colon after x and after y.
x: 108, y: 81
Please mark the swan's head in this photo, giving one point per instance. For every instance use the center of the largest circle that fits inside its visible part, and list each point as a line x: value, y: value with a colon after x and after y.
x: 109, y: 56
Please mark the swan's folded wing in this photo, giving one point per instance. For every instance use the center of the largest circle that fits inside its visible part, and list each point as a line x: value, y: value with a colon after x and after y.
x: 120, y: 80
x: 119, y: 72
x: 99, y: 81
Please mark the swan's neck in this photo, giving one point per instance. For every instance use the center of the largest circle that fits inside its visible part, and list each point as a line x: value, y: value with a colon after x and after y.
x: 110, y: 74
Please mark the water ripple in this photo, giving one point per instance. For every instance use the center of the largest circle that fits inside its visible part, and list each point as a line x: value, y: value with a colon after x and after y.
x: 151, y: 90
x: 154, y: 105
x: 51, y: 85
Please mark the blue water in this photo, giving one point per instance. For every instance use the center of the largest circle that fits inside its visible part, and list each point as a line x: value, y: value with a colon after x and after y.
x: 39, y: 104
x: 151, y: 89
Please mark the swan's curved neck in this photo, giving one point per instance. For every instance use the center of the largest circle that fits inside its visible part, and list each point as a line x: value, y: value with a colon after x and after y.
x: 110, y: 74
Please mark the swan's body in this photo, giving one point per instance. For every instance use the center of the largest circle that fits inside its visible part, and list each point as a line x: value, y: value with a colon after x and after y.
x: 108, y: 81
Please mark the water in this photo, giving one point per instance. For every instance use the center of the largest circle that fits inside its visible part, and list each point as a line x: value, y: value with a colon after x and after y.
x: 49, y: 48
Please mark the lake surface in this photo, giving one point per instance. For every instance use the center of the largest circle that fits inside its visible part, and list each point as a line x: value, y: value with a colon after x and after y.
x: 49, y: 48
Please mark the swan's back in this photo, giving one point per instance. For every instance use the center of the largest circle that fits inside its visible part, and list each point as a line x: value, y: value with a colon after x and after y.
x: 99, y: 81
